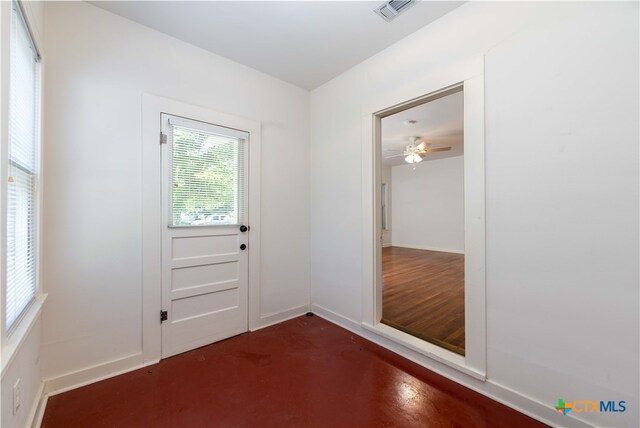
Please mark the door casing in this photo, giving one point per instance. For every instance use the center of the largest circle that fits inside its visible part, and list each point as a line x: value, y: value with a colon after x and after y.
x: 470, y: 75
x: 151, y: 196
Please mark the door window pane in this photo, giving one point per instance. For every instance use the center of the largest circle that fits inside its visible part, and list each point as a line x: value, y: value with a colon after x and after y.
x: 207, y: 175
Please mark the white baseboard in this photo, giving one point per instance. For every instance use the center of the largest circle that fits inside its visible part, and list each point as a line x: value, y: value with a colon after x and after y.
x: 96, y: 373
x: 82, y: 377
x: 35, y: 417
x: 278, y: 317
x: 522, y: 403
x: 39, y: 415
x: 387, y: 244
x: 438, y: 249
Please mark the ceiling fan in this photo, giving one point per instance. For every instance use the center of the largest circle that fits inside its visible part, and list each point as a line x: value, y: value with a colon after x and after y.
x: 414, y: 151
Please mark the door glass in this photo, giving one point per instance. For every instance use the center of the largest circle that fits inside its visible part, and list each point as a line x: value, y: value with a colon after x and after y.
x: 207, y: 176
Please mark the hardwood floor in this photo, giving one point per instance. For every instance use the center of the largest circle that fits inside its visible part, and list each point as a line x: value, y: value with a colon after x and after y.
x: 305, y: 372
x: 423, y: 295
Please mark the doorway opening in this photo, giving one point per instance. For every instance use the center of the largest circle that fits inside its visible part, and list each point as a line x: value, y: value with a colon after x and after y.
x: 422, y: 202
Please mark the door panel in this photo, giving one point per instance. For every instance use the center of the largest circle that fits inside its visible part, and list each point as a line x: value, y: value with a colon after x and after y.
x: 204, y: 246
x: 204, y: 304
x: 204, y: 270
x: 187, y: 278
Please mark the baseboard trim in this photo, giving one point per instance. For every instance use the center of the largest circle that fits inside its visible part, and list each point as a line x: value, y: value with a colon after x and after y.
x: 35, y: 418
x: 278, y: 317
x: 437, y: 249
x: 96, y: 373
x: 80, y: 378
x: 39, y: 416
x: 504, y: 395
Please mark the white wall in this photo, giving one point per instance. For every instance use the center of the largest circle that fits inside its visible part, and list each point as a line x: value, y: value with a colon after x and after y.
x: 428, y: 205
x: 98, y: 67
x: 25, y: 367
x: 562, y: 194
x: 386, y: 178
x: 20, y: 352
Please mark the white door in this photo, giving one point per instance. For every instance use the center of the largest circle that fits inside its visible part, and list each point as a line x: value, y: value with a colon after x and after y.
x: 205, y: 237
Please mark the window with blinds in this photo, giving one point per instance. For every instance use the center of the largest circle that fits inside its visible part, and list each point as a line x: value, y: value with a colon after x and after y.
x: 207, y: 174
x: 22, y: 169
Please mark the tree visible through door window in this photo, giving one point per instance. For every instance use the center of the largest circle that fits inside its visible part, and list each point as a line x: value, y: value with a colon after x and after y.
x: 206, y: 177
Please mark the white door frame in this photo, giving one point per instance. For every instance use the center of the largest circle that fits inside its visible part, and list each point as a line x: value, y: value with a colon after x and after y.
x: 151, y: 196
x: 470, y: 75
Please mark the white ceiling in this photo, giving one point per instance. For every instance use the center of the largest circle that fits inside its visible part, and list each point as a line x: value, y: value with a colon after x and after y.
x: 439, y: 122
x: 306, y: 43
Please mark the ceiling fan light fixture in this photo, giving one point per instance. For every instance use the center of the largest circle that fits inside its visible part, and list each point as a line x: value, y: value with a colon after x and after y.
x: 413, y: 152
x: 413, y: 158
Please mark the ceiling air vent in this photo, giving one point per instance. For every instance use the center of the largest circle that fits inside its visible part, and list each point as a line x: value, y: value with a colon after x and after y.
x: 391, y: 9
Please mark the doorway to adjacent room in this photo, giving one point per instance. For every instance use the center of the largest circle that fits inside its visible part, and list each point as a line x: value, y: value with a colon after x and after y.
x: 422, y: 202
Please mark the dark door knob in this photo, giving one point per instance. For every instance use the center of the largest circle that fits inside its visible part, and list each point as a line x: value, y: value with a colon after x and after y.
x: 243, y: 247
x: 243, y: 228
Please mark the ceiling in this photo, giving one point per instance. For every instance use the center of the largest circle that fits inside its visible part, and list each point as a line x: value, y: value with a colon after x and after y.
x: 306, y: 43
x: 439, y: 122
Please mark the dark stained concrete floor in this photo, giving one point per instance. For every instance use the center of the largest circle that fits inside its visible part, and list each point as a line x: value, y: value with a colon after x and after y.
x: 306, y: 372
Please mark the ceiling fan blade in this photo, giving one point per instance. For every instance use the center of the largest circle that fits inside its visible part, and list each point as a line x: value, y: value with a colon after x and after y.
x: 438, y: 149
x: 394, y: 156
x: 420, y: 147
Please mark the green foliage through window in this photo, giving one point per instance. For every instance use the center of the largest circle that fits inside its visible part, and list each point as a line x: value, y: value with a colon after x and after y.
x: 206, y: 175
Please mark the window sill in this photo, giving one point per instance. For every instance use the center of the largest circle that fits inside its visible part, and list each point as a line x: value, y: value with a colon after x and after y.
x: 13, y: 343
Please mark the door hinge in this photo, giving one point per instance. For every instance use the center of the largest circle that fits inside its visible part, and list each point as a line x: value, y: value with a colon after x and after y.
x: 163, y: 316
x: 163, y: 138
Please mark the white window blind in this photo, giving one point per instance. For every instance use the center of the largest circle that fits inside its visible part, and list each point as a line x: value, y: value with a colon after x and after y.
x: 22, y: 168
x: 207, y: 174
